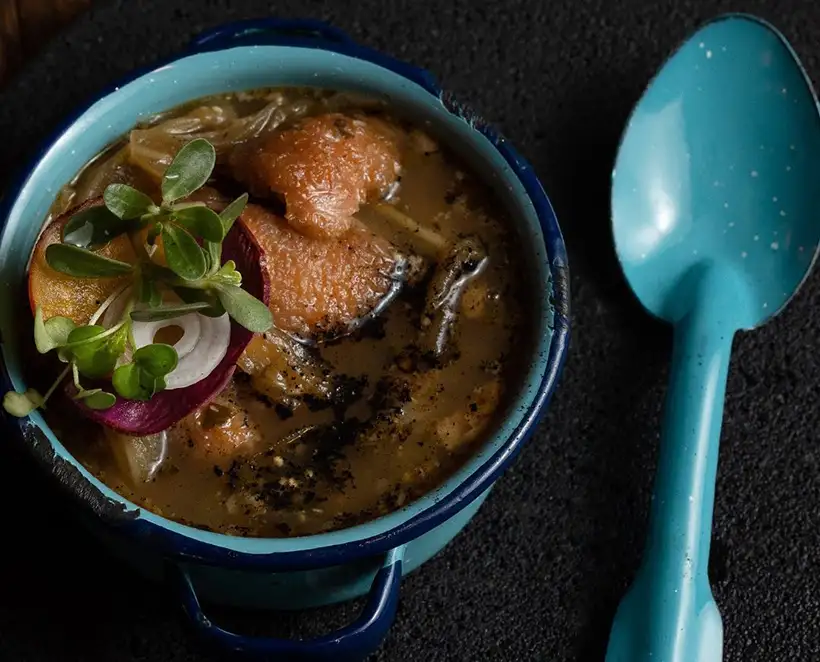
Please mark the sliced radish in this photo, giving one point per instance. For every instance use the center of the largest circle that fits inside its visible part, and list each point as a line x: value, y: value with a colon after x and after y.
x: 133, y: 417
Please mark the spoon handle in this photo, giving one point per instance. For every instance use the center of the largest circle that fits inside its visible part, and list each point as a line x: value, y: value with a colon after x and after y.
x: 669, y: 614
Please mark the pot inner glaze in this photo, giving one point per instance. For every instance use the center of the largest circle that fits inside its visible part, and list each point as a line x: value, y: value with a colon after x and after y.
x: 251, y: 67
x: 308, y: 439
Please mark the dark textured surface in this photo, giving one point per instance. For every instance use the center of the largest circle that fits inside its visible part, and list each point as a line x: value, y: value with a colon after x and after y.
x: 537, y: 575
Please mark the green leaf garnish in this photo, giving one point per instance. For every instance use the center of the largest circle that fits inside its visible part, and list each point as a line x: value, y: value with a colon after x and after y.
x: 126, y: 202
x: 137, y: 380
x: 201, y: 222
x: 94, y: 354
x: 127, y: 383
x: 52, y: 333
x: 153, y: 233
x: 93, y: 227
x: 167, y: 312
x: 227, y: 275
x: 83, y: 335
x: 82, y: 263
x: 227, y: 217
x: 157, y: 359
x: 177, y: 206
x: 22, y: 404
x: 147, y: 291
x: 246, y: 309
x: 192, y: 235
x: 153, y: 384
x: 208, y: 297
x: 183, y: 254
x: 100, y: 400
x: 213, y: 251
x: 189, y: 170
x: 232, y: 212
x: 96, y: 398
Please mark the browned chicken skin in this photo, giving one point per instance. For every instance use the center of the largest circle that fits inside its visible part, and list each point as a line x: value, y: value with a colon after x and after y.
x: 325, y: 167
x: 319, y: 285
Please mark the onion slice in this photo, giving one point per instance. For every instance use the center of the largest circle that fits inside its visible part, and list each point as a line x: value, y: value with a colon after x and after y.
x: 203, y: 345
x: 138, y: 418
x: 139, y: 458
x: 201, y: 349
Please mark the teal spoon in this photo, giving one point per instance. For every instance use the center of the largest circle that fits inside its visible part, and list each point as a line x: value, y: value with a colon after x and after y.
x: 716, y: 223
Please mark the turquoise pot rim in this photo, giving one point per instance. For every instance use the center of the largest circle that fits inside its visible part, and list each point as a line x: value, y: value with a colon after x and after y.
x: 380, y: 535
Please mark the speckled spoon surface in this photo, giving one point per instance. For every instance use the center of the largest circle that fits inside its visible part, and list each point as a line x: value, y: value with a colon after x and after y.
x: 716, y: 223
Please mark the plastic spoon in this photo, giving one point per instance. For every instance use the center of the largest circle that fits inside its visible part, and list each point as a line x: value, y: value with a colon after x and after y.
x: 716, y: 223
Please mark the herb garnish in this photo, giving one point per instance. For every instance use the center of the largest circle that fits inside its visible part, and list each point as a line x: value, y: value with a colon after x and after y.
x: 191, y: 235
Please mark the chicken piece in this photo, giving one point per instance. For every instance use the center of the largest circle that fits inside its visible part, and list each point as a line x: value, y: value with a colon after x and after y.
x: 324, y: 286
x: 463, y: 426
x: 284, y: 370
x: 324, y: 167
x: 222, y: 427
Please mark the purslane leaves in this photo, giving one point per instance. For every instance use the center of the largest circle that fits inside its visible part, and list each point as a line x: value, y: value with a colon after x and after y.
x: 191, y: 234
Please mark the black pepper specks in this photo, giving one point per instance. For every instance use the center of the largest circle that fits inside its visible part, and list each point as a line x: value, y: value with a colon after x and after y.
x: 282, y: 411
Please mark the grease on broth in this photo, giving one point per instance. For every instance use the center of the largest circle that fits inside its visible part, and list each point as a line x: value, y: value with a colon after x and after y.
x: 311, y: 439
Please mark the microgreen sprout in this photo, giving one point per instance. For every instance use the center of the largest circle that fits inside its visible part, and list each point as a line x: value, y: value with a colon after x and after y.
x: 191, y: 234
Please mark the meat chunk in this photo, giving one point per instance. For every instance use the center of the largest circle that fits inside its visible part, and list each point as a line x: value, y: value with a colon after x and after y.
x: 319, y: 286
x: 285, y: 370
x: 223, y: 427
x: 464, y: 425
x: 324, y: 168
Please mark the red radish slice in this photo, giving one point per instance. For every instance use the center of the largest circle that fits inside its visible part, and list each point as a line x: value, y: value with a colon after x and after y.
x: 137, y: 418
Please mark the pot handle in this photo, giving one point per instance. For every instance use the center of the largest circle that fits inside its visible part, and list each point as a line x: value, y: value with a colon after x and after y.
x: 306, y: 33
x: 349, y: 644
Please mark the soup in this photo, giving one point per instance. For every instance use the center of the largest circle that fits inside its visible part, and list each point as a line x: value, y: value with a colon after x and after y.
x: 394, y: 296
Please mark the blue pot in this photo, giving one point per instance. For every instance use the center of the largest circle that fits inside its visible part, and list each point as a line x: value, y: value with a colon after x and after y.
x: 331, y: 567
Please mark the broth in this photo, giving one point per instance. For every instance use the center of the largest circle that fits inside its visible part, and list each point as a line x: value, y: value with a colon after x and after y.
x: 273, y: 455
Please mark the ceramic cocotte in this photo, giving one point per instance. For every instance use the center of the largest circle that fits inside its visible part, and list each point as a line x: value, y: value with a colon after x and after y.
x: 291, y: 573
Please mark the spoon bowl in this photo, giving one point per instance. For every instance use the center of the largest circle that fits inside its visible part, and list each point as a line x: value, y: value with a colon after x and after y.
x: 717, y: 165
x: 715, y: 226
